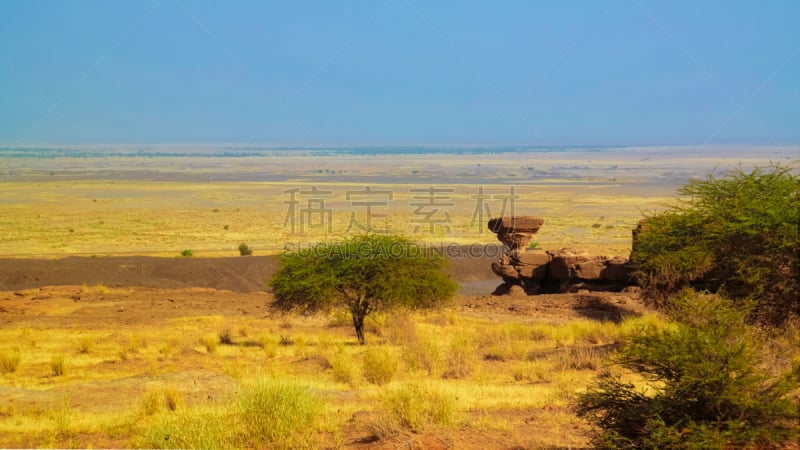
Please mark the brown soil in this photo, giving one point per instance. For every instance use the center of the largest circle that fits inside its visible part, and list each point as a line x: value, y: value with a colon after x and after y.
x: 238, y: 274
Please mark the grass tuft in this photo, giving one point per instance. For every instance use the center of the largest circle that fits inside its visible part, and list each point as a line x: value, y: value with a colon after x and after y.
x: 10, y: 360
x: 415, y: 406
x: 57, y: 365
x: 279, y: 414
x: 206, y: 428
x: 85, y: 344
x: 380, y: 365
x: 344, y: 370
x: 226, y: 337
x: 269, y: 344
x: 461, y: 356
x: 210, y: 342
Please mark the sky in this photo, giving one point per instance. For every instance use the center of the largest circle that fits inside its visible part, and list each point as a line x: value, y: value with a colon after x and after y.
x: 400, y: 72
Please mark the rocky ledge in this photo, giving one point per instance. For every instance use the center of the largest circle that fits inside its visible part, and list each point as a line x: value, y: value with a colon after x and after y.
x: 540, y: 271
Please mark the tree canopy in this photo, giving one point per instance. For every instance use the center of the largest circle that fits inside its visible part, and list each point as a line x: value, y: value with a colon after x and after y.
x: 738, y: 235
x: 365, y: 274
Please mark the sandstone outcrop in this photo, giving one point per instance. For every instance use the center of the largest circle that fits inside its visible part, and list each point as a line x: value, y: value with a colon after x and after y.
x: 548, y: 271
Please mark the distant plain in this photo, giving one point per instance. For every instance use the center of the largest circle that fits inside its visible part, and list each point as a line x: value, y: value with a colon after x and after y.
x: 61, y: 202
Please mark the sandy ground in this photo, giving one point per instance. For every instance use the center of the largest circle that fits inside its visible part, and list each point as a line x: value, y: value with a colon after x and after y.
x: 66, y: 307
x: 122, y: 207
x: 153, y: 292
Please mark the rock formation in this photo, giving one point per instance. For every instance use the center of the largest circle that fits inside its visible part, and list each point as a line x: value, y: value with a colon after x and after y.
x: 543, y: 271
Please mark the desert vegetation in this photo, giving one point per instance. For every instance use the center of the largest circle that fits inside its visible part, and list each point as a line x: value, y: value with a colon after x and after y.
x: 711, y: 361
x: 714, y: 380
x: 709, y: 382
x: 213, y: 378
x: 738, y: 235
x: 365, y: 274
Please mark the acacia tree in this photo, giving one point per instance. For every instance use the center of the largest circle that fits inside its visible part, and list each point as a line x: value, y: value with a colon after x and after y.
x: 738, y: 235
x: 365, y: 274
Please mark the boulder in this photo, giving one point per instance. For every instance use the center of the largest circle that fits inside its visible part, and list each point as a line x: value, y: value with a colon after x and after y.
x: 505, y: 271
x: 529, y: 257
x: 591, y: 269
x: 617, y: 269
x: 563, y: 262
x: 531, y: 263
x: 566, y: 270
x: 516, y: 224
x: 516, y: 291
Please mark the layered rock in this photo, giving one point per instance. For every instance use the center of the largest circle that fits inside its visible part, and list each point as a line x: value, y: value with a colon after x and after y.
x: 515, y: 231
x: 542, y: 271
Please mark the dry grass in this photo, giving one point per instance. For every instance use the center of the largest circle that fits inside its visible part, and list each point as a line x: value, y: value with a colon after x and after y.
x: 416, y: 406
x: 166, y: 218
x: 58, y: 365
x: 210, y: 342
x: 431, y: 372
x: 379, y: 365
x: 10, y: 360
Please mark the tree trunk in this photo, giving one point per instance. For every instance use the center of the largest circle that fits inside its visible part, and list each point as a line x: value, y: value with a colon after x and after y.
x: 358, y: 322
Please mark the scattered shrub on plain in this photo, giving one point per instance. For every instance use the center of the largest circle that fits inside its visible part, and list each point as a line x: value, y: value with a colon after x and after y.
x: 85, y: 344
x: 160, y: 399
x: 424, y: 353
x: 365, y: 274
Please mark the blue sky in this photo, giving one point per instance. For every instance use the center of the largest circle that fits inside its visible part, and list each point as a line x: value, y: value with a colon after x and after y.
x: 327, y: 73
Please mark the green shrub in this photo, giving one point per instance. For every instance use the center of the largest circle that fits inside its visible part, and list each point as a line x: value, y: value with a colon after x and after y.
x: 738, y: 235
x: 279, y: 414
x: 380, y: 365
x: 708, y: 385
x: 244, y: 250
x: 187, y: 253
